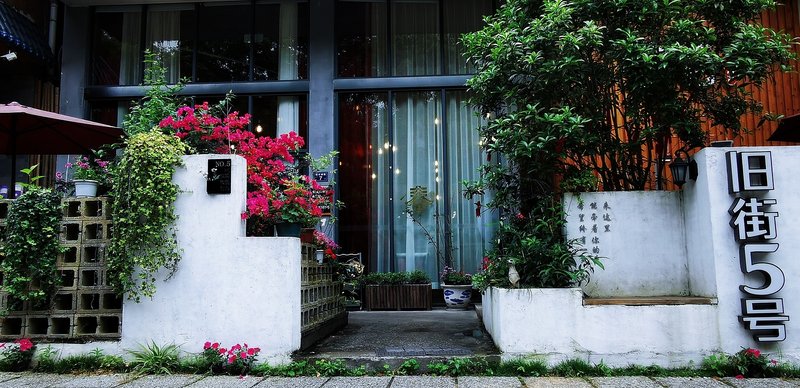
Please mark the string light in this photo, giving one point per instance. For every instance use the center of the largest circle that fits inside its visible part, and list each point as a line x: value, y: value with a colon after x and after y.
x: 259, y: 128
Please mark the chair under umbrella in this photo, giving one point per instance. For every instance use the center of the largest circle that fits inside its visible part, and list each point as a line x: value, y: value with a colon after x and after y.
x: 26, y: 130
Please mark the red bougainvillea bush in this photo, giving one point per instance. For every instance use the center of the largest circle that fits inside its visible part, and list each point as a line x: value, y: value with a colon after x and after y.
x: 276, y: 191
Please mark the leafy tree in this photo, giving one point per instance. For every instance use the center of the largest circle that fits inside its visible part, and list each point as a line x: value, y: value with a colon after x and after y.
x: 595, y: 89
x: 603, y: 84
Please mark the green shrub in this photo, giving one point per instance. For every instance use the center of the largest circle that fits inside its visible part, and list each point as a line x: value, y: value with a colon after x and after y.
x: 155, y: 360
x: 522, y: 367
x: 408, y: 367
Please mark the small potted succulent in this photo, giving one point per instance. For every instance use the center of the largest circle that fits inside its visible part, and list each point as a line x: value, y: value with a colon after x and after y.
x: 457, y: 288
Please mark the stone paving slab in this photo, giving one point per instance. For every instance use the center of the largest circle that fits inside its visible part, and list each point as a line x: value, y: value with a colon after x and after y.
x: 293, y: 382
x: 96, y: 381
x: 565, y: 382
x: 35, y: 380
x: 423, y: 382
x: 366, y: 382
x: 689, y: 382
x: 489, y: 382
x: 166, y: 381
x: 626, y: 381
x: 5, y: 376
x: 760, y: 383
x: 226, y: 381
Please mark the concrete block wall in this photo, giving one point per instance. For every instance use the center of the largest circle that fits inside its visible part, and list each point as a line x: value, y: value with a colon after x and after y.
x: 85, y: 307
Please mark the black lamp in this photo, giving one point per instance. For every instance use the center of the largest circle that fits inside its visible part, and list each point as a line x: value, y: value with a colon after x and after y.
x: 679, y: 168
x: 682, y: 168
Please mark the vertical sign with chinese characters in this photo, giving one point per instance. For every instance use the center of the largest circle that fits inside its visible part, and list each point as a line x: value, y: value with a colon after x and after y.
x: 596, y: 219
x: 754, y: 223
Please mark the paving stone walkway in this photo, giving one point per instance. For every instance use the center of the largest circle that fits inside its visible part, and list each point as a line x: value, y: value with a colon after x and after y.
x: 194, y: 381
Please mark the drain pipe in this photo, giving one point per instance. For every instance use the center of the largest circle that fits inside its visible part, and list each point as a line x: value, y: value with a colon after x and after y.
x: 51, y: 33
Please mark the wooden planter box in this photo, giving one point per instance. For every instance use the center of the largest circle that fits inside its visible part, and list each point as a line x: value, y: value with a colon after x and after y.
x: 415, y: 297
x: 402, y: 297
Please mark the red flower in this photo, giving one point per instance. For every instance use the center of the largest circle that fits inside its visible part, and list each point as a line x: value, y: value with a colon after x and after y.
x: 252, y: 351
x: 231, y: 358
x: 739, y: 377
x: 215, y: 345
x: 753, y: 352
x: 207, y: 345
x: 243, y: 355
x: 222, y: 350
x: 24, y: 344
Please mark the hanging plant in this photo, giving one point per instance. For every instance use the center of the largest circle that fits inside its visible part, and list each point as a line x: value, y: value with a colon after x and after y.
x: 32, y: 245
x: 144, y: 239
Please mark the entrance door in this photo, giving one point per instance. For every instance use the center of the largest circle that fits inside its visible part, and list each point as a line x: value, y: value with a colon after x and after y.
x: 403, y: 157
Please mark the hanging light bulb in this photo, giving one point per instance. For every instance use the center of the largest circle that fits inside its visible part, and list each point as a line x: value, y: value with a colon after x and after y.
x: 259, y: 128
x: 436, y: 121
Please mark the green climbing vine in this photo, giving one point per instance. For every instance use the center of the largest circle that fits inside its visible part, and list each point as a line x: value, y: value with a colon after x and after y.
x: 144, y: 238
x: 32, y: 245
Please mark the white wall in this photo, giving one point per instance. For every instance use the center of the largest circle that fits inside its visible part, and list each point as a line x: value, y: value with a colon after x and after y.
x: 553, y: 324
x: 712, y: 243
x: 638, y: 234
x: 228, y: 288
x: 642, y: 260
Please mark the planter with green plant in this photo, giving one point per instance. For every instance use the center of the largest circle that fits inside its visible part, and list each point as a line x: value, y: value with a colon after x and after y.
x: 89, y: 174
x: 397, y: 291
x: 456, y: 288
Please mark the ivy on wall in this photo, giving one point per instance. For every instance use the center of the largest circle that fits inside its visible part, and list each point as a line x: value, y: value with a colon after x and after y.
x: 144, y: 239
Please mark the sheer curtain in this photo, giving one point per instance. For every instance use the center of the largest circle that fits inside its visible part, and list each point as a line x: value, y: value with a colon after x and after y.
x: 381, y: 168
x: 288, y: 106
x: 163, y: 38
x: 461, y: 16
x: 417, y: 156
x: 471, y: 234
x: 415, y: 37
x: 130, y: 69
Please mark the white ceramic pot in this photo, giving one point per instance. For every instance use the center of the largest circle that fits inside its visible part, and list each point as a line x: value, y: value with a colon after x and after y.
x: 85, y: 188
x: 457, y: 296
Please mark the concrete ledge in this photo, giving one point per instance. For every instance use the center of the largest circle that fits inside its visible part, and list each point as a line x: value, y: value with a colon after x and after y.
x: 650, y: 301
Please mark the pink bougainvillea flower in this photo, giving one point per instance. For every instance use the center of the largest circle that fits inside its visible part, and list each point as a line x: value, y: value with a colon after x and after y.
x: 231, y: 359
x: 206, y: 345
x: 739, y: 377
x: 252, y: 351
x: 243, y: 355
x: 223, y: 350
x: 215, y: 345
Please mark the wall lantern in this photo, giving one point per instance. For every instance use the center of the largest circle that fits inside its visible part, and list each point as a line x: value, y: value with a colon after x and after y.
x: 682, y: 168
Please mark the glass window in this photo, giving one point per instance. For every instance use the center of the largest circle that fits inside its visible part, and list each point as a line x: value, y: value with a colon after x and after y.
x: 281, y: 41
x: 411, y: 158
x: 415, y: 38
x: 277, y: 115
x: 365, y: 170
x: 116, y: 57
x: 170, y: 30
x: 470, y: 233
x: 361, y: 38
x: 223, y: 43
x: 460, y: 17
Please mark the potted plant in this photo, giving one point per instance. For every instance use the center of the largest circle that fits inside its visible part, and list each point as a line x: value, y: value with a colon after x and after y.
x: 457, y: 287
x: 397, y: 291
x: 88, y: 174
x: 324, y: 246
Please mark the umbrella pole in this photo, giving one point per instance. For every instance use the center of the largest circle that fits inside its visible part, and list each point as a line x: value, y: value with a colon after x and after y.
x: 11, y: 189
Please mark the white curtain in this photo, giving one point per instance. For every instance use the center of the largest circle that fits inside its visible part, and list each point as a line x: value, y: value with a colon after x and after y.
x: 471, y: 234
x: 130, y: 69
x: 415, y: 37
x: 288, y: 106
x: 163, y: 38
x: 461, y: 16
x: 417, y: 159
x: 381, y: 161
